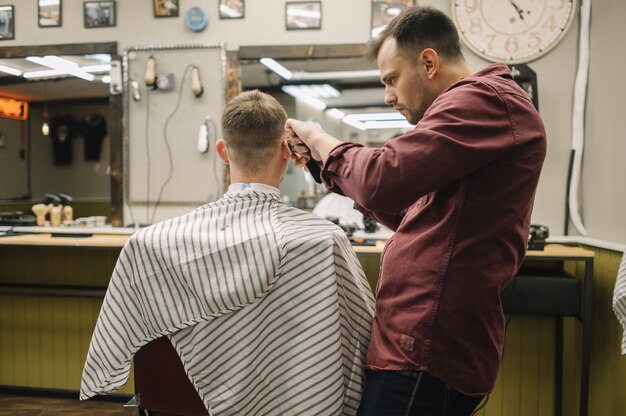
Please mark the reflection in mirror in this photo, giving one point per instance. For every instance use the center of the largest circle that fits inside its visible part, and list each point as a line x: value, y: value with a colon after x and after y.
x: 60, y: 146
x: 340, y: 90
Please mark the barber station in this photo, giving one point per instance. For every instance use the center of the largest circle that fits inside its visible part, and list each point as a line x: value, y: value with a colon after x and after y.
x: 281, y: 208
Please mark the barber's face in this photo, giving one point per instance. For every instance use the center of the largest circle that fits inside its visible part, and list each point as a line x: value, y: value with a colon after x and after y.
x: 407, y: 87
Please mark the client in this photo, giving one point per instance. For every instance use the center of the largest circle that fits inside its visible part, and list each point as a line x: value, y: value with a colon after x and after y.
x: 267, y: 305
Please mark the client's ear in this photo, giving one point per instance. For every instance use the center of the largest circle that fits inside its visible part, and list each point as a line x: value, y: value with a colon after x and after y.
x: 285, y: 152
x: 222, y: 151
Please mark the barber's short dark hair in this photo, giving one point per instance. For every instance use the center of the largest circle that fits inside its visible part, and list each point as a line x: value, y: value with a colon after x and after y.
x: 252, y: 124
x: 418, y: 28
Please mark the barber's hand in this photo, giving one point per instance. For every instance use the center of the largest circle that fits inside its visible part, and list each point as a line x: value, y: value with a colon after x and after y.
x: 309, y: 141
x: 303, y: 137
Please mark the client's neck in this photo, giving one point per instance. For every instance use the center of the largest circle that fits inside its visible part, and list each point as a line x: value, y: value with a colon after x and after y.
x: 270, y: 176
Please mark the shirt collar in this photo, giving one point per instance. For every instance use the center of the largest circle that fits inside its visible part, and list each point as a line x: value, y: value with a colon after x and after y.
x: 241, y: 187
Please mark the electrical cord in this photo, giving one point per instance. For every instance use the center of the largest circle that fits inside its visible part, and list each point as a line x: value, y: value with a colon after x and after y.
x: 147, y: 154
x: 213, y: 128
x: 167, y: 144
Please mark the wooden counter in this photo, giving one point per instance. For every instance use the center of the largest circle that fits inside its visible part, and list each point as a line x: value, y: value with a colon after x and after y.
x: 51, y: 292
x: 47, y: 240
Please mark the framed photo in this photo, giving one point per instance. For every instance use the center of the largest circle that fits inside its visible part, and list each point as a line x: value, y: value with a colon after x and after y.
x: 303, y: 15
x: 7, y: 22
x: 49, y: 13
x: 166, y: 8
x: 232, y: 9
x: 99, y: 14
x: 383, y: 12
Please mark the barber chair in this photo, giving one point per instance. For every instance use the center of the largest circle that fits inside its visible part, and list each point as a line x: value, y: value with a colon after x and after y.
x: 162, y: 386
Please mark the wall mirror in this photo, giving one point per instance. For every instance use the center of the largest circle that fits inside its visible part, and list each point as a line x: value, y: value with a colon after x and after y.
x: 67, y: 141
x: 329, y: 83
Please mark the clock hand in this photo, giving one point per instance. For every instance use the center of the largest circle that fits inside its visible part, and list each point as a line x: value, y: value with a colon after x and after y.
x: 519, y: 11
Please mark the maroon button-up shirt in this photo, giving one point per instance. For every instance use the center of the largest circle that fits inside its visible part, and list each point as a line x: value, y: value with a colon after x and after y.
x: 458, y: 191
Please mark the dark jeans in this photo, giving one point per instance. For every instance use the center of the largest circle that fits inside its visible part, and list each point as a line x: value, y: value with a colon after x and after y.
x: 412, y: 393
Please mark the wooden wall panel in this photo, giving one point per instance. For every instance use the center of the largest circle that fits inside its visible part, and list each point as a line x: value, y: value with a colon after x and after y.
x: 44, y: 339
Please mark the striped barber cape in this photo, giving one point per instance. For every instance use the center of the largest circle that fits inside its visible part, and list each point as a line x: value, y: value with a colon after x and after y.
x: 267, y: 306
x: 619, y: 299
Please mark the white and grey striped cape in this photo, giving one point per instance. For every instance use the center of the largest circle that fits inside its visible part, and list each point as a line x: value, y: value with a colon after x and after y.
x: 619, y: 299
x: 267, y: 306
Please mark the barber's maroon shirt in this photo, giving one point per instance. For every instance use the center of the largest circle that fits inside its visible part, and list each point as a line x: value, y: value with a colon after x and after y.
x: 458, y: 191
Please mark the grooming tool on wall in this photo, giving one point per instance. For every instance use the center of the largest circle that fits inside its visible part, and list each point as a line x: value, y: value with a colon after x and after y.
x: 150, y: 76
x: 134, y: 90
x: 196, y: 84
x: 204, y: 139
x: 115, y: 85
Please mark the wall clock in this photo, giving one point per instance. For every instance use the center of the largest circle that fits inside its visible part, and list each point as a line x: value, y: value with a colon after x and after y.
x: 513, y: 31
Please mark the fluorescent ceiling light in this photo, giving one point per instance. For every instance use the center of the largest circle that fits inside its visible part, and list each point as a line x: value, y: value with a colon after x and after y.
x: 44, y: 74
x: 335, y: 113
x: 378, y: 116
x: 276, y: 67
x: 96, y: 68
x: 353, y: 123
x: 317, y: 76
x: 318, y: 90
x: 333, y: 75
x: 61, y: 64
x: 373, y: 121
x: 297, y: 92
x: 10, y: 70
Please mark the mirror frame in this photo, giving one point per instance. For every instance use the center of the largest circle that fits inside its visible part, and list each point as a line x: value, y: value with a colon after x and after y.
x: 115, y: 110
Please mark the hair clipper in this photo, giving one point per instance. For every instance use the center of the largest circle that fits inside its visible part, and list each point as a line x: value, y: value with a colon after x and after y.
x: 312, y: 166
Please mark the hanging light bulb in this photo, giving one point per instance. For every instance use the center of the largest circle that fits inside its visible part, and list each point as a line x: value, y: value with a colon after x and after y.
x: 45, y: 127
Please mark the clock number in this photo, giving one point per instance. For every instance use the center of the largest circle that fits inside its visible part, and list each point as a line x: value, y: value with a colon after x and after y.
x: 476, y: 26
x: 549, y: 24
x: 511, y: 45
x: 470, y: 5
x: 561, y: 4
x: 535, y: 40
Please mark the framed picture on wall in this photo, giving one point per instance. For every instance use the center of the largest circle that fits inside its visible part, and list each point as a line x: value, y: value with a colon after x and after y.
x: 383, y: 12
x: 166, y: 8
x: 7, y: 23
x: 303, y: 15
x: 231, y: 9
x: 49, y: 13
x: 99, y: 14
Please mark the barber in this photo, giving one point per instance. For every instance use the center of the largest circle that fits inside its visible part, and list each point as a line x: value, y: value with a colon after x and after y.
x: 458, y: 191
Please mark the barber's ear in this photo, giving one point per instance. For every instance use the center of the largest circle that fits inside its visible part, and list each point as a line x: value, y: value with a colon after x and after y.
x: 222, y: 151
x: 429, y: 60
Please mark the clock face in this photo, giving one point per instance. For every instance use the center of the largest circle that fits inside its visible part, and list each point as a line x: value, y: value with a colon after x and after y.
x: 513, y: 31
